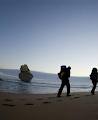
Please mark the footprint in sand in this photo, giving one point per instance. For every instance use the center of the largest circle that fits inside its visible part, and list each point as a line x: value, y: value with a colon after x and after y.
x: 46, y: 102
x: 87, y: 95
x: 51, y: 97
x: 75, y: 97
x: 8, y: 100
x: 29, y: 104
x: 9, y: 105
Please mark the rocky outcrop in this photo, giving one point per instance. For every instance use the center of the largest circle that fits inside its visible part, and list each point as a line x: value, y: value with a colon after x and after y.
x: 25, y: 74
x: 1, y: 79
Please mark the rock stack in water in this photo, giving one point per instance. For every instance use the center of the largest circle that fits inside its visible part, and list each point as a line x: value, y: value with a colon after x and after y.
x: 25, y: 74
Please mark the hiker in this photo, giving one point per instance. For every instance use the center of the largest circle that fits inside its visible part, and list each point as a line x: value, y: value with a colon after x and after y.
x: 64, y: 76
x: 94, y: 79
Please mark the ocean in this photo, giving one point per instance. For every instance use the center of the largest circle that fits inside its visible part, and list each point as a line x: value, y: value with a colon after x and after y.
x: 42, y: 83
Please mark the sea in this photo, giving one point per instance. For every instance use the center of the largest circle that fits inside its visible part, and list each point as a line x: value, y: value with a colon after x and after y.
x: 41, y: 83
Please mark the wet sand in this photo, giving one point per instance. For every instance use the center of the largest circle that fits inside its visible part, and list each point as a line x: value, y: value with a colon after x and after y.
x: 79, y: 106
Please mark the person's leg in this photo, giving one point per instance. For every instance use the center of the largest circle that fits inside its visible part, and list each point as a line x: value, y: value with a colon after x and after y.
x: 60, y: 90
x: 94, y: 87
x: 68, y: 88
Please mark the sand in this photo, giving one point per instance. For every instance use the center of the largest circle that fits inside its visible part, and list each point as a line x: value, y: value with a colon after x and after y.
x: 79, y: 106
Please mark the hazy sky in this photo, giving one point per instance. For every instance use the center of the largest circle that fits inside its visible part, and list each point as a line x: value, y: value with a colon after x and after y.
x: 48, y: 33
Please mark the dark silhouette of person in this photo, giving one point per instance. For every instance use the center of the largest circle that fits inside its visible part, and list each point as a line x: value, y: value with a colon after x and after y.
x: 94, y: 79
x: 64, y: 75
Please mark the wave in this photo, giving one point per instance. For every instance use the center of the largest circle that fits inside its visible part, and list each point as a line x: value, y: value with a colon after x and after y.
x: 43, y: 84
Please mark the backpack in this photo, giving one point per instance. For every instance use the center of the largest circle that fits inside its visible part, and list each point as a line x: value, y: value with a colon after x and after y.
x: 62, y: 75
x: 93, y: 77
x: 59, y: 75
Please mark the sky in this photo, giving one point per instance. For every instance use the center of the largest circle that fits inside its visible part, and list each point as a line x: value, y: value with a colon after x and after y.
x: 45, y: 34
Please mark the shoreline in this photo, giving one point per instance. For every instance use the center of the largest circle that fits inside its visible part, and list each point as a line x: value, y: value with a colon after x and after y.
x: 79, y: 106
x: 43, y: 94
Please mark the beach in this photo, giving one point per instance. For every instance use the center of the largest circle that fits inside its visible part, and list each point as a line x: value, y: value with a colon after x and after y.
x: 79, y: 106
